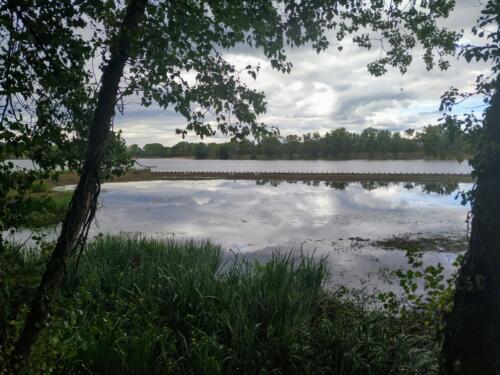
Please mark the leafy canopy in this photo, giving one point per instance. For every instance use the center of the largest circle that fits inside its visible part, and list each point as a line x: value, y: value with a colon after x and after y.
x: 487, y: 49
x: 51, y: 51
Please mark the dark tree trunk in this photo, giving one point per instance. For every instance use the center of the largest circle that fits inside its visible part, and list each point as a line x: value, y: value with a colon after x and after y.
x: 87, y: 189
x: 472, y: 333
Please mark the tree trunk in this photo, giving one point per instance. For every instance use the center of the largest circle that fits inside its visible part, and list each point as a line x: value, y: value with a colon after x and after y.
x: 87, y: 189
x: 472, y: 333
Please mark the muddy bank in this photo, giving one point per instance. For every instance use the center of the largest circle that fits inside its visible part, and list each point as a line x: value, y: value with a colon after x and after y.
x: 147, y: 175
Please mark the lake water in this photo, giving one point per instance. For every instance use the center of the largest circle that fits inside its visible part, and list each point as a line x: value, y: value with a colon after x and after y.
x: 256, y: 217
x: 347, y: 166
x: 339, y: 166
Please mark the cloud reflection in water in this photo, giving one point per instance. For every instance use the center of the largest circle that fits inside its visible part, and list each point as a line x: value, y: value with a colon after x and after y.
x: 255, y: 218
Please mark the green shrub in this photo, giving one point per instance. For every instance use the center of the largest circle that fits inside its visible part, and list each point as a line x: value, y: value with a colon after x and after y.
x: 146, y: 306
x: 20, y: 270
x: 47, y: 210
x: 39, y: 187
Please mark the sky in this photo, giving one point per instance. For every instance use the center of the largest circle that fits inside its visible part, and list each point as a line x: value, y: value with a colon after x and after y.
x: 331, y: 89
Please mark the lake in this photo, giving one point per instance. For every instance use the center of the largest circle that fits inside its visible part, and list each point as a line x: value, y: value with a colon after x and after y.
x: 254, y: 218
x: 342, y: 221
x: 344, y: 166
x: 339, y: 166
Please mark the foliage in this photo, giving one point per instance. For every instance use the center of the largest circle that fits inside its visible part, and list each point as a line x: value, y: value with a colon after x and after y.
x: 49, y: 87
x: 155, y: 306
x: 52, y: 209
x: 191, y: 37
x: 432, y: 141
x: 425, y: 290
x: 470, y: 342
x: 356, y: 337
x: 20, y: 270
x: 48, y: 48
x: 486, y: 49
x: 46, y: 100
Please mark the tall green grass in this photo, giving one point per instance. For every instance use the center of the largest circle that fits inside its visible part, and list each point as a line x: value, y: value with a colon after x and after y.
x: 48, y: 209
x: 146, y: 306
x: 21, y: 268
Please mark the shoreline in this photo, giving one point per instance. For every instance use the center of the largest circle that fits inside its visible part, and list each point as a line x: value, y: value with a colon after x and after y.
x: 144, y: 175
x: 362, y: 156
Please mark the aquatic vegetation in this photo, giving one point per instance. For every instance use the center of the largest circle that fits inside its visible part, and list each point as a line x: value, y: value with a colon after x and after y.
x: 52, y: 207
x: 144, y: 306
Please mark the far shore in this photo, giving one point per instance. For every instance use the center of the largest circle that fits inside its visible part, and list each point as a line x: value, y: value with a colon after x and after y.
x: 359, y: 156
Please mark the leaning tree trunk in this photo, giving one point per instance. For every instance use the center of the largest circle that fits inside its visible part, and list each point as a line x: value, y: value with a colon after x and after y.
x: 87, y: 189
x: 472, y: 333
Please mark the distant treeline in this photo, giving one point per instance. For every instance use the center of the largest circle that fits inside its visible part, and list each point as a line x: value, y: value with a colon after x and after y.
x: 433, y: 141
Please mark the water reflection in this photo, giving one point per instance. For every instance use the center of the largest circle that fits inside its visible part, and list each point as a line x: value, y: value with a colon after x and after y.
x: 341, y: 220
x: 436, y: 188
x: 252, y: 215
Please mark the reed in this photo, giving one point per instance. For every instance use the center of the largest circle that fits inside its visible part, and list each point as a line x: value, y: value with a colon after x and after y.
x: 143, y: 306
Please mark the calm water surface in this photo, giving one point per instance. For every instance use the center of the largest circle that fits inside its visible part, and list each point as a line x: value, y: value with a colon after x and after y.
x: 250, y: 216
x: 254, y: 218
x: 348, y: 166
x: 257, y: 217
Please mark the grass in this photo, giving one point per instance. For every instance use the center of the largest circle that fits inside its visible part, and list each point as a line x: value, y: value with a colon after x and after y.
x: 52, y: 207
x: 41, y: 205
x: 68, y: 178
x: 147, y: 175
x: 147, y: 306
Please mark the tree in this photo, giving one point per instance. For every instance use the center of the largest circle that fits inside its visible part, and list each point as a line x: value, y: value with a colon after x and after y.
x: 368, y: 140
x: 383, y: 141
x: 396, y: 143
x: 134, y: 150
x: 270, y: 146
x: 147, y: 48
x: 292, y: 144
x: 200, y: 151
x: 433, y: 140
x: 154, y: 150
x: 223, y: 152
x: 409, y: 132
x: 46, y: 99
x: 436, y: 141
x: 181, y: 149
x: 471, y: 344
x: 27, y: 75
x: 82, y: 206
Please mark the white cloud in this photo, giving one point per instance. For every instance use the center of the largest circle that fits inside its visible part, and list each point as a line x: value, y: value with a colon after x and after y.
x: 331, y: 89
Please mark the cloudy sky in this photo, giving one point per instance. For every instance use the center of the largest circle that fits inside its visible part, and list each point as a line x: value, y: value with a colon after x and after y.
x: 330, y: 90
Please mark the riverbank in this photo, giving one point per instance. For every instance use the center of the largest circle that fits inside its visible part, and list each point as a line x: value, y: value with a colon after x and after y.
x: 48, y: 209
x: 299, y: 176
x: 148, y: 175
x: 43, y: 206
x: 140, y: 305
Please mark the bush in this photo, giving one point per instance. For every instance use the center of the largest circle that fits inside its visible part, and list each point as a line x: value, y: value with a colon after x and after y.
x: 48, y: 210
x: 39, y: 187
x: 146, y: 306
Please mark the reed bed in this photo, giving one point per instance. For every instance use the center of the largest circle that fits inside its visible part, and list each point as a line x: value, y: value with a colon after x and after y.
x: 148, y: 306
